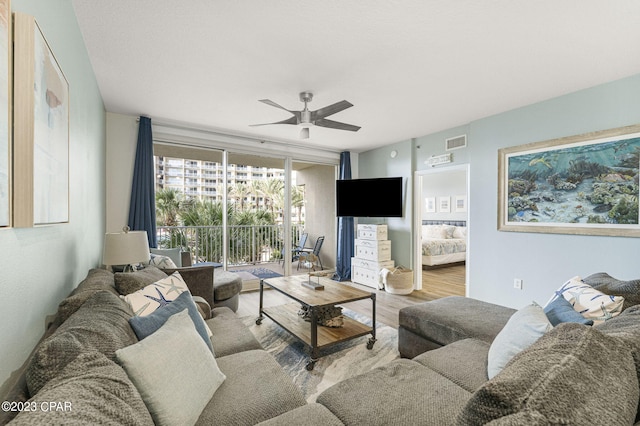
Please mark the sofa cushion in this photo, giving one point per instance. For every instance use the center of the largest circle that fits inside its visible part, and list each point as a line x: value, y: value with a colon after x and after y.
x: 230, y: 335
x: 523, y: 328
x: 129, y: 282
x: 604, y: 282
x: 101, y: 324
x: 589, y: 302
x: 89, y: 390
x: 566, y: 377
x: 455, y: 318
x: 448, y: 360
x: 307, y: 415
x: 146, y: 300
x: 256, y: 389
x: 174, y: 371
x: 560, y: 310
x: 226, y: 284
x: 402, y: 392
x: 147, y: 325
x: 96, y: 280
x: 199, y: 279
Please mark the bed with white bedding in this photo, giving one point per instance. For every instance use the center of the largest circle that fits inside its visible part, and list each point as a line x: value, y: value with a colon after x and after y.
x: 443, y: 242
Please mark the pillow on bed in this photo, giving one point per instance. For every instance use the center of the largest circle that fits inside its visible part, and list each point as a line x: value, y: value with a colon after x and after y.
x: 460, y: 232
x: 437, y: 231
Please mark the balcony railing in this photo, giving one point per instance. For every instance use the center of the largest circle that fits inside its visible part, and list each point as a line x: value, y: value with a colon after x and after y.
x: 248, y: 244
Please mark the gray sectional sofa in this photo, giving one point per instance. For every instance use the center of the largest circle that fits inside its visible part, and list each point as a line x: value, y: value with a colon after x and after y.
x: 574, y: 374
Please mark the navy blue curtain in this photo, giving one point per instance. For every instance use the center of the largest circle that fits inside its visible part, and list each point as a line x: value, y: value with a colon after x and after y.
x: 345, y: 229
x: 142, y: 208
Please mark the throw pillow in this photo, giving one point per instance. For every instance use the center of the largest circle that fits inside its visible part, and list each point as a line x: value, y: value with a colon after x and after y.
x: 605, y: 283
x: 573, y: 375
x: 147, y: 325
x: 161, y: 262
x: 460, y: 232
x: 174, y: 253
x: 129, y: 282
x: 437, y: 231
x: 90, y: 390
x: 522, y: 330
x: 560, y: 310
x: 589, y: 302
x: 160, y: 293
x: 174, y: 371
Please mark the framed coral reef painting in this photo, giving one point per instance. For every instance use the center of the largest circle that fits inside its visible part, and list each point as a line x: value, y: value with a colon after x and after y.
x: 41, y: 129
x: 585, y: 184
x: 5, y: 113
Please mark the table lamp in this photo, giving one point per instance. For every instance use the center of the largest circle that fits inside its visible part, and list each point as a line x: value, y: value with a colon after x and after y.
x: 126, y: 248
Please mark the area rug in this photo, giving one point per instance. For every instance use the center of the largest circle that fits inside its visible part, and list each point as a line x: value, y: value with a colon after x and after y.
x: 338, y: 362
x: 257, y: 274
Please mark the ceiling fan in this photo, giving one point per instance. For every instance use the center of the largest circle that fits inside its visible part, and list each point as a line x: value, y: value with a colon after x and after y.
x: 306, y: 118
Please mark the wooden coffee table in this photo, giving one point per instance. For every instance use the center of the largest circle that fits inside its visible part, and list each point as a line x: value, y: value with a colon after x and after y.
x: 310, y: 333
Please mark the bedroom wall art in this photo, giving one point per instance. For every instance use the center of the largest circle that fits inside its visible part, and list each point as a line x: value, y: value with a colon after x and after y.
x: 444, y: 204
x: 585, y: 184
x: 41, y: 129
x: 5, y: 113
x: 430, y: 204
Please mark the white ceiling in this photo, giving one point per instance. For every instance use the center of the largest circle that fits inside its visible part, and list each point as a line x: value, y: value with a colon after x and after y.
x: 410, y: 67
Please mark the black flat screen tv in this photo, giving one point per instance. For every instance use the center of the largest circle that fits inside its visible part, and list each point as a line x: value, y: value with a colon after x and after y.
x: 378, y: 197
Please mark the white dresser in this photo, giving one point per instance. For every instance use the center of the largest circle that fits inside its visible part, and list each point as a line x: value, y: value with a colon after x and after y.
x: 372, y: 253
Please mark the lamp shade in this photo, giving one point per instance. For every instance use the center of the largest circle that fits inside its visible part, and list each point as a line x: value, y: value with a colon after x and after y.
x: 125, y: 248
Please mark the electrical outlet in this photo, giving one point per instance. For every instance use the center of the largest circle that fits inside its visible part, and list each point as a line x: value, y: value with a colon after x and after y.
x: 517, y: 283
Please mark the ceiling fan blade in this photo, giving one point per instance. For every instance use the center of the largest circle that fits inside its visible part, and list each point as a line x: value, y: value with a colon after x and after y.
x: 273, y: 104
x: 336, y: 125
x: 291, y: 120
x: 330, y: 110
x: 304, y: 133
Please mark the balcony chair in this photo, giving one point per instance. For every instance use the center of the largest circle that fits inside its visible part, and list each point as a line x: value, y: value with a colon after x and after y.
x: 312, y: 256
x: 295, y: 252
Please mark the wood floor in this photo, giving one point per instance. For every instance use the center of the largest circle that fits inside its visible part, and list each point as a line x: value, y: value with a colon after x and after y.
x: 436, y: 283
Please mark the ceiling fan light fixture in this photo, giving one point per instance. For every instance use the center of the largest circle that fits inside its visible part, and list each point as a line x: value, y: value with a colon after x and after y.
x: 304, y: 133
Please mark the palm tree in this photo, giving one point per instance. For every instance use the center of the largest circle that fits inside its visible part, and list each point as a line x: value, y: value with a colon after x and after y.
x: 239, y: 192
x: 297, y: 200
x: 168, y: 204
x: 273, y: 193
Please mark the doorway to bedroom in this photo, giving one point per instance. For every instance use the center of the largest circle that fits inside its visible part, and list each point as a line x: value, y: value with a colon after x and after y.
x: 442, y: 211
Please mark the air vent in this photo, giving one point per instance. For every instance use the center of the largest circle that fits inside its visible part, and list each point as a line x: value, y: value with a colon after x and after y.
x: 456, y: 143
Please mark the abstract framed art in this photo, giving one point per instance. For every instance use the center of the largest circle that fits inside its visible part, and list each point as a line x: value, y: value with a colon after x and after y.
x: 41, y: 129
x: 5, y: 112
x: 585, y: 184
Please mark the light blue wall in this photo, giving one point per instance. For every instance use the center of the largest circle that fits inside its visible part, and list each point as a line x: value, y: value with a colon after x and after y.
x: 378, y: 163
x: 543, y: 261
x: 40, y: 266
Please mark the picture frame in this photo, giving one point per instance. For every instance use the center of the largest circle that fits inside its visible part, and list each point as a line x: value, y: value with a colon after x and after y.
x: 461, y: 203
x: 430, y: 204
x: 584, y: 184
x: 6, y: 47
x: 41, y: 129
x: 444, y: 204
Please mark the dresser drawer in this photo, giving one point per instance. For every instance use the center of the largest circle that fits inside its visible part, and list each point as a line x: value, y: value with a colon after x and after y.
x: 365, y: 276
x: 373, y: 265
x: 376, y: 252
x: 372, y: 232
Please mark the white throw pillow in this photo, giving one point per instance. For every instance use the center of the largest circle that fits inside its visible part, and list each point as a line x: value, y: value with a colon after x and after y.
x: 162, y: 262
x: 522, y: 330
x: 148, y: 299
x: 174, y: 371
x: 437, y: 231
x: 460, y: 232
x: 589, y: 302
